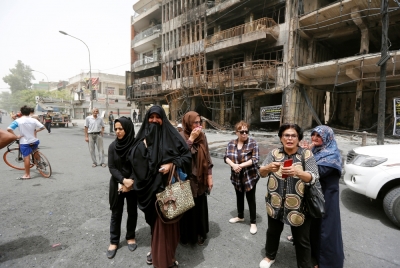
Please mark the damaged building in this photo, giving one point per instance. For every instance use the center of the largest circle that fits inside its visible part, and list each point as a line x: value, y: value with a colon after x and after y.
x: 316, y: 60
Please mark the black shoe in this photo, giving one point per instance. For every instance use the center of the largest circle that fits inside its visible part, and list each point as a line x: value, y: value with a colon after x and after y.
x: 149, y: 259
x: 132, y: 247
x: 111, y: 253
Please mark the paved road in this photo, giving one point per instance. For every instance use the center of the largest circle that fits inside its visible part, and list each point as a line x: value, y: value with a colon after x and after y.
x: 70, y: 211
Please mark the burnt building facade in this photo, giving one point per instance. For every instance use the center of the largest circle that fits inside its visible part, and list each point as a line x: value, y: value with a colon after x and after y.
x: 227, y: 59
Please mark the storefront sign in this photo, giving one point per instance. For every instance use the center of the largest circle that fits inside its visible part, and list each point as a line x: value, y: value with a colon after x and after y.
x: 396, y: 113
x: 270, y: 113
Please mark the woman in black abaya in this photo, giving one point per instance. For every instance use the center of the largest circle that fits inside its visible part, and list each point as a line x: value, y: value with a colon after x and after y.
x: 158, y: 145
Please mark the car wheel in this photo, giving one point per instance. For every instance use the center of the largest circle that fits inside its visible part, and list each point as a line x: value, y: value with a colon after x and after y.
x: 391, y: 205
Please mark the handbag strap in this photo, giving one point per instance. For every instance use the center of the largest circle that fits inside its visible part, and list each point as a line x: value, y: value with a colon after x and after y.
x: 162, y: 218
x: 173, y: 172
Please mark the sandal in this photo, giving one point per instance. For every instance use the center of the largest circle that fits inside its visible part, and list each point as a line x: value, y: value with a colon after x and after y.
x: 22, y: 178
x: 290, y: 239
x: 175, y: 264
x: 94, y: 165
x: 149, y: 259
x: 103, y: 165
x: 200, y: 240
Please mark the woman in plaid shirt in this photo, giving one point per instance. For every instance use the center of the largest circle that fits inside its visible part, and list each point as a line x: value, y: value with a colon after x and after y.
x: 242, y: 155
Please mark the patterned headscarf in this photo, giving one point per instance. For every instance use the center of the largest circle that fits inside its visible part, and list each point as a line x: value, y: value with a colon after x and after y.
x: 328, y: 153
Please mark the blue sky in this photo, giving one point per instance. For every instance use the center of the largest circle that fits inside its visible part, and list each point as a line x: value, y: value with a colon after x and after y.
x: 29, y: 32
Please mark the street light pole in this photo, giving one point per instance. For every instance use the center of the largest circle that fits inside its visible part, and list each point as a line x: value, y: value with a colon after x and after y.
x: 48, y: 84
x: 90, y: 72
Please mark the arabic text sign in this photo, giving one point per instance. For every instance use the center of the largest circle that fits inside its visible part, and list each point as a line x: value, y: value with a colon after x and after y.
x: 270, y: 113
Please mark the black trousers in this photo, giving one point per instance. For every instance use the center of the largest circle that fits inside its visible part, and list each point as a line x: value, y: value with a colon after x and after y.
x: 116, y: 217
x: 301, y: 236
x: 251, y: 201
x: 111, y: 127
x: 47, y: 125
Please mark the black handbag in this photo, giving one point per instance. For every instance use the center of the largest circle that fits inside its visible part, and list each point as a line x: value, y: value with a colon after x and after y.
x: 314, y: 201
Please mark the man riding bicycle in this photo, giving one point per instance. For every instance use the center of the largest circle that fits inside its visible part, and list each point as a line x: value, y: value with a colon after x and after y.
x: 28, y: 127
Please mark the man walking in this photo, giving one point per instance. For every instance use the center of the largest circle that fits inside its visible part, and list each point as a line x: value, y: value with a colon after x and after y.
x: 47, y: 121
x: 94, y: 129
x: 134, y: 116
x: 28, y: 143
x: 111, y: 121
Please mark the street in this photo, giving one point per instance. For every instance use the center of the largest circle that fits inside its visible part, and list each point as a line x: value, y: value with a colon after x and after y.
x: 64, y: 221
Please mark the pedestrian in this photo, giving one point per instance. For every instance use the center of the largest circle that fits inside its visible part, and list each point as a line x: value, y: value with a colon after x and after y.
x: 94, y: 129
x: 111, y: 121
x: 139, y: 117
x: 1, y: 117
x: 285, y: 192
x: 157, y: 146
x: 326, y: 233
x: 134, y: 116
x: 28, y: 142
x: 242, y: 155
x: 179, y: 127
x: 121, y: 184
x: 48, y: 119
x: 194, y: 224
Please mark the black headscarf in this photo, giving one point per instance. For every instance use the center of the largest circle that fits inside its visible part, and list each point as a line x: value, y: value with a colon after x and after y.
x: 164, y: 145
x: 122, y: 146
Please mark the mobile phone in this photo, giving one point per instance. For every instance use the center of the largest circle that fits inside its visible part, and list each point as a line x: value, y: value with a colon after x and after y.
x: 287, y: 163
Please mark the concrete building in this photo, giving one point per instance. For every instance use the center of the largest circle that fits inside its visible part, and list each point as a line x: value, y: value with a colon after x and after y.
x: 110, y: 95
x: 265, y: 62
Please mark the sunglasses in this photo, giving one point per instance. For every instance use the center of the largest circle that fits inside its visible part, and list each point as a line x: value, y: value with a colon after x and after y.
x: 243, y: 132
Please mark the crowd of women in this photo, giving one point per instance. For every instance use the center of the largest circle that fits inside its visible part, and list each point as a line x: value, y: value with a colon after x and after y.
x: 140, y: 167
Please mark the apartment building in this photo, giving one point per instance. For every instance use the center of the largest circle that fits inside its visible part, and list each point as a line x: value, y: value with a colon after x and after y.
x: 110, y: 94
x: 313, y: 61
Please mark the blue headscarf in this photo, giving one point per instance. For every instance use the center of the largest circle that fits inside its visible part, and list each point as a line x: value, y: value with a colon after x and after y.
x: 328, y: 153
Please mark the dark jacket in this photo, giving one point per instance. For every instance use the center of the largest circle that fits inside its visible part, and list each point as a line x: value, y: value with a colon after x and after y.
x: 119, y: 170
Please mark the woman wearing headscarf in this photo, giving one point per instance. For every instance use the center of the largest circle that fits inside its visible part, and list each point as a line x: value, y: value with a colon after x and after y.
x: 121, y: 183
x: 194, y: 224
x: 157, y: 147
x: 326, y: 233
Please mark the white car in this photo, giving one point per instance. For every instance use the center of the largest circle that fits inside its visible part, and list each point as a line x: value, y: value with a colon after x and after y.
x: 374, y: 171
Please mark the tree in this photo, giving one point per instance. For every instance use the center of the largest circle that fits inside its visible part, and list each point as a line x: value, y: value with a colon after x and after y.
x: 20, y: 77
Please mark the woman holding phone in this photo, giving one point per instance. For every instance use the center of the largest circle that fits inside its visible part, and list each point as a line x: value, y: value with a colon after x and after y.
x: 288, y: 168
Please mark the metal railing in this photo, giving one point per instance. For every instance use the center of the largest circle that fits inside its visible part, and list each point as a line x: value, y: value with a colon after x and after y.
x: 257, y: 25
x: 146, y: 60
x: 148, y: 80
x: 146, y: 33
x: 145, y: 8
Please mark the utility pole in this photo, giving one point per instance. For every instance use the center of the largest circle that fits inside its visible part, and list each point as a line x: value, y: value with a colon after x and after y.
x: 382, y: 83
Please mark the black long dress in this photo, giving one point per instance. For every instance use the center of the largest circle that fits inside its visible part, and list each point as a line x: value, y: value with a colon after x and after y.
x: 326, y: 234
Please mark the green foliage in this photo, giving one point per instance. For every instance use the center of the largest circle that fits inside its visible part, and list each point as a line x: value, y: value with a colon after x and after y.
x: 20, y: 77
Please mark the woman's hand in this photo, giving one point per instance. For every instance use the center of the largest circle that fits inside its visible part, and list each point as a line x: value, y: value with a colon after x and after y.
x: 165, y: 168
x: 128, y: 183
x: 289, y: 171
x: 271, y: 167
x: 236, y: 167
x: 195, y: 133
x: 210, y: 183
x: 125, y: 189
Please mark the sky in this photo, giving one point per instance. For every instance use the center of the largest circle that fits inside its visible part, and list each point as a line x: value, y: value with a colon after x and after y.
x: 29, y: 31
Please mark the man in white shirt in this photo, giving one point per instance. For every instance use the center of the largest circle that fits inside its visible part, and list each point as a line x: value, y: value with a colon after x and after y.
x: 28, y: 142
x: 94, y: 129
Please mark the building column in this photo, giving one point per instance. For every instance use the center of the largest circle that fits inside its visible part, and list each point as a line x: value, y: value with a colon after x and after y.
x: 358, y: 104
x: 357, y: 19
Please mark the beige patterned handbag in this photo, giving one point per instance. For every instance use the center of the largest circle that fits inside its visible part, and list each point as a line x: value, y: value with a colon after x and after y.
x: 176, y: 198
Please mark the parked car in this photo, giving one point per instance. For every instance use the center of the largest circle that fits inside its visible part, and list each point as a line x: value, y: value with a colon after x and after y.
x: 374, y: 171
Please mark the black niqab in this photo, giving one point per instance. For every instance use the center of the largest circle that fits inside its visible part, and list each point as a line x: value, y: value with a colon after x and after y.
x: 164, y: 145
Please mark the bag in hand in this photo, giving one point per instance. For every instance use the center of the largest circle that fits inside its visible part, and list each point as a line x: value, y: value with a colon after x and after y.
x: 314, y: 202
x: 177, y: 198
x: 6, y: 138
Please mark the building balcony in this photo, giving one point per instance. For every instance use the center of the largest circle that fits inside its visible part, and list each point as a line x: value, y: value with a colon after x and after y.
x: 145, y: 40
x: 145, y: 14
x: 146, y: 63
x: 263, y: 29
x: 144, y: 87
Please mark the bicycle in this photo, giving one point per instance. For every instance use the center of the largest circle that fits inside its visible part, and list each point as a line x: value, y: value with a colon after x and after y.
x: 13, y: 158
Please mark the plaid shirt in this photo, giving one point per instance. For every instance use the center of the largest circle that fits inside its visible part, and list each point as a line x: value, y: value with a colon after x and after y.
x: 249, y: 176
